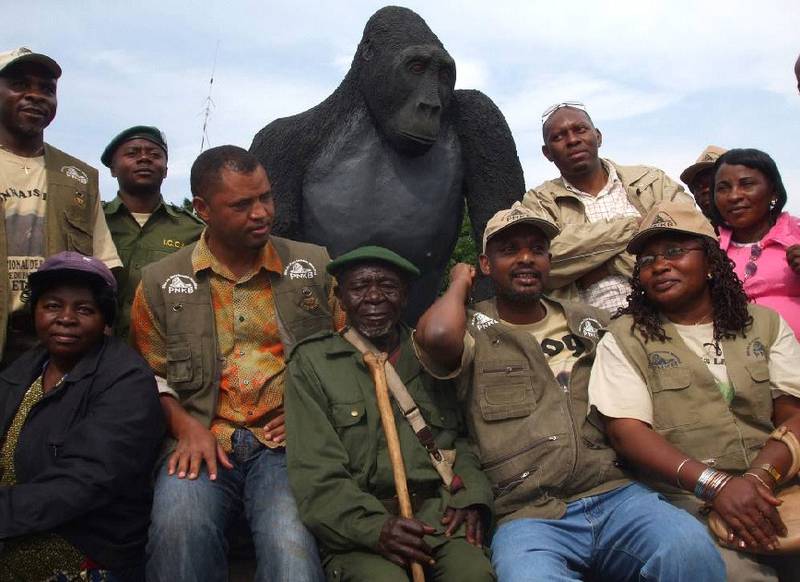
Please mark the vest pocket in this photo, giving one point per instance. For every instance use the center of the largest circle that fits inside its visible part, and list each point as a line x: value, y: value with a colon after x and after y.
x: 79, y: 235
x: 179, y: 363
x: 506, y: 391
x: 671, y: 402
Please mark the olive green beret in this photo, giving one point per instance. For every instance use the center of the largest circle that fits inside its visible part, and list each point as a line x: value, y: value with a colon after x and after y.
x: 147, y: 132
x: 372, y: 253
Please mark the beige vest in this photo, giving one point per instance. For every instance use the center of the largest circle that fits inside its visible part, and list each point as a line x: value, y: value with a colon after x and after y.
x: 187, y: 318
x: 688, y: 408
x: 533, y: 439
x: 69, y: 218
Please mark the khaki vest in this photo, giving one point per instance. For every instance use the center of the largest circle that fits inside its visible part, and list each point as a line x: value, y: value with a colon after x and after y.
x: 69, y: 218
x: 534, y: 442
x: 187, y: 317
x: 688, y: 408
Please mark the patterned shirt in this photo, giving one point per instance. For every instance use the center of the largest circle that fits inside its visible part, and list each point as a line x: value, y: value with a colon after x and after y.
x: 251, y: 382
x: 609, y: 293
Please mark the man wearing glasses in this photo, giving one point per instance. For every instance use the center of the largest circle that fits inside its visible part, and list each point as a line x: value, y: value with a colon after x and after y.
x: 597, y: 204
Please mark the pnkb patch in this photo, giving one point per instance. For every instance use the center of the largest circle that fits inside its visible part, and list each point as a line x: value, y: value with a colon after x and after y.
x: 663, y: 220
x: 481, y: 321
x: 75, y: 173
x: 300, y: 269
x: 663, y: 360
x: 757, y: 350
x: 589, y: 327
x: 180, y: 285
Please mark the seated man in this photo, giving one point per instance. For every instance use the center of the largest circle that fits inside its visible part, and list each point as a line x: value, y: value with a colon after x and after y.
x: 339, y: 470
x: 214, y: 320
x: 566, y: 509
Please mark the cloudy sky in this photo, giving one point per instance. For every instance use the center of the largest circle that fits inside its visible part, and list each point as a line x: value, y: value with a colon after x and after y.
x: 662, y: 79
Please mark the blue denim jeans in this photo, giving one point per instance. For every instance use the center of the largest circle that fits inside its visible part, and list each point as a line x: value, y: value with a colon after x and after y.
x: 187, y: 541
x: 630, y: 533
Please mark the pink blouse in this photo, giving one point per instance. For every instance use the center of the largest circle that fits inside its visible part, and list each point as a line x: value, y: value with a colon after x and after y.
x: 773, y: 284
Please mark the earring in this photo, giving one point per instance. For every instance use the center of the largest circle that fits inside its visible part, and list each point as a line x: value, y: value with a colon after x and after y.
x: 772, y: 204
x: 709, y: 276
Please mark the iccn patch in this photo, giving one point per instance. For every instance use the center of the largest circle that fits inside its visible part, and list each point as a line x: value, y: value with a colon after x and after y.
x: 179, y: 285
x: 589, y: 327
x: 300, y: 269
x: 481, y: 321
x: 75, y: 173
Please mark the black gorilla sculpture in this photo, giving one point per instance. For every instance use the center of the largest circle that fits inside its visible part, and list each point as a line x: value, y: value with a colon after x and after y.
x: 391, y: 155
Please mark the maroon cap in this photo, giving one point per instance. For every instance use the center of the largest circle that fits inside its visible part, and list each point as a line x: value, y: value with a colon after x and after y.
x: 70, y: 261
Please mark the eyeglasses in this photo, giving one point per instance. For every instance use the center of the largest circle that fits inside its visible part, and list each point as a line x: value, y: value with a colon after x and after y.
x: 751, y: 267
x: 670, y: 254
x: 553, y: 108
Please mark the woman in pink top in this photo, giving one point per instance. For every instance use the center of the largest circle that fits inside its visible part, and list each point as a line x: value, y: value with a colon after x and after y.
x: 761, y: 239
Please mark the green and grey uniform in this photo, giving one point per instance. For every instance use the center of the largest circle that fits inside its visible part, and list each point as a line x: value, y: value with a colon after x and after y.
x: 168, y: 229
x: 690, y: 412
x: 535, y: 444
x: 339, y: 466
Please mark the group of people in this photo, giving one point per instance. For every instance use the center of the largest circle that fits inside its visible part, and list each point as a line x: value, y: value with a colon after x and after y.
x: 168, y: 377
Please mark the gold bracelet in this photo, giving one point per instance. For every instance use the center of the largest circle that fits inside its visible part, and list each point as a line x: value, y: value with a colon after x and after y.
x: 772, y: 470
x: 760, y: 480
x: 787, y: 437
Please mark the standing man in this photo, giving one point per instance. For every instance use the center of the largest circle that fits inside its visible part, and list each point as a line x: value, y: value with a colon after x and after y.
x: 566, y: 509
x: 214, y: 321
x: 340, y: 469
x: 597, y: 204
x: 699, y: 177
x: 50, y: 200
x: 144, y: 227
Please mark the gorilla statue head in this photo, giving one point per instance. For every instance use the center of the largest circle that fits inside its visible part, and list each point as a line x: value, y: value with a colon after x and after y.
x: 406, y: 77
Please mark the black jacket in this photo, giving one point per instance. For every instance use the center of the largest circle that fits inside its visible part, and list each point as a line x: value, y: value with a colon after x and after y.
x: 85, y: 456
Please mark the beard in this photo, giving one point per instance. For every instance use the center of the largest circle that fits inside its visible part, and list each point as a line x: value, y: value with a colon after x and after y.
x: 519, y: 297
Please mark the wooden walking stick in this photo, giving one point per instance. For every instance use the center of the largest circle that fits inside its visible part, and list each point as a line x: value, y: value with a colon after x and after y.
x: 376, y: 364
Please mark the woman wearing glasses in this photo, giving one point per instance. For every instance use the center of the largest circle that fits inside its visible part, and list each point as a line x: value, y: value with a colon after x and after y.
x: 692, y: 382
x: 761, y: 239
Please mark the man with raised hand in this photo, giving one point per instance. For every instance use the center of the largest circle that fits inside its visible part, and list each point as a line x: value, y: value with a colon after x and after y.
x: 215, y: 321
x: 50, y: 199
x: 566, y: 508
x: 597, y: 204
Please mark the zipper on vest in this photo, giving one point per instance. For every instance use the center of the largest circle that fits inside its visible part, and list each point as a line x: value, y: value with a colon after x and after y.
x: 507, y: 485
x: 506, y: 369
x: 533, y: 445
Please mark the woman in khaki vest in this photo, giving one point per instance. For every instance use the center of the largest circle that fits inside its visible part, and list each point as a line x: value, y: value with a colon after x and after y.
x: 691, y: 383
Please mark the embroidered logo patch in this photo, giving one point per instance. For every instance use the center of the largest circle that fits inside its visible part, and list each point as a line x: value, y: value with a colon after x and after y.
x: 179, y: 284
x: 75, y: 173
x: 300, y: 269
x: 663, y: 360
x: 757, y: 350
x: 663, y: 220
x: 481, y: 321
x: 589, y: 327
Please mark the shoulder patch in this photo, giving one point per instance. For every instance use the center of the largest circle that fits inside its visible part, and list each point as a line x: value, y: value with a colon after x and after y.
x: 179, y: 284
x: 589, y: 327
x: 663, y: 360
x: 300, y: 269
x: 75, y: 173
x: 481, y: 321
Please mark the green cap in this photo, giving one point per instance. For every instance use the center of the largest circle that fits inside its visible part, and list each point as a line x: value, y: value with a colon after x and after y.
x: 147, y: 132
x: 372, y: 253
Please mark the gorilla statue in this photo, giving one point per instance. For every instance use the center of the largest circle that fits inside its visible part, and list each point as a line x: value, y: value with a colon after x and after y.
x: 392, y: 154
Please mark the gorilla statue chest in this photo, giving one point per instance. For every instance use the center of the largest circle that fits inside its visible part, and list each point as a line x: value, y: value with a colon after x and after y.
x: 359, y: 191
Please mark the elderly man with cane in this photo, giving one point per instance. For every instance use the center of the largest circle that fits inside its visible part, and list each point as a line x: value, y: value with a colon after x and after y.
x: 348, y: 485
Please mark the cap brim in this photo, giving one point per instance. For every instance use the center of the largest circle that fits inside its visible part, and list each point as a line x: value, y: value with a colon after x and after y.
x: 638, y: 241
x: 689, y: 173
x: 549, y: 229
x: 40, y: 59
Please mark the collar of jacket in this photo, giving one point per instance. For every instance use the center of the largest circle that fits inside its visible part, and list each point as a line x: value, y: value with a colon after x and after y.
x: 407, y: 366
x: 632, y: 177
x: 28, y: 368
x: 116, y: 204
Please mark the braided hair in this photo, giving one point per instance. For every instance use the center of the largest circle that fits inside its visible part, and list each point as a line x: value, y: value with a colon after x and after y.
x: 728, y: 300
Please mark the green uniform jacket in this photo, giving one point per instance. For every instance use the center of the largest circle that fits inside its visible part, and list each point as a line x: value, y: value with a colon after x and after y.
x: 583, y: 245
x: 168, y: 229
x: 338, y: 462
x: 72, y: 194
